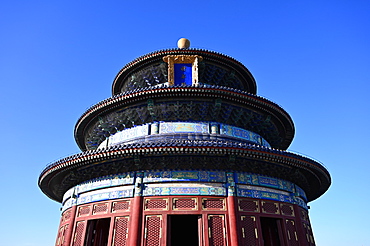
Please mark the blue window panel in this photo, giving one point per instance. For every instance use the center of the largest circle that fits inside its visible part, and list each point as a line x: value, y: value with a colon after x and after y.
x: 183, y: 74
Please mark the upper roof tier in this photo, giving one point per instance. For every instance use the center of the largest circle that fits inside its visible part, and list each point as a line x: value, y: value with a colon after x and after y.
x: 213, y: 69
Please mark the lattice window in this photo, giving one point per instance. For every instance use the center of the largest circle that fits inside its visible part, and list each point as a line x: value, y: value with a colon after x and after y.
x: 309, y: 234
x: 270, y: 207
x: 287, y: 210
x: 153, y: 230
x: 120, y: 206
x: 213, y: 204
x: 248, y: 205
x: 156, y: 204
x: 304, y: 215
x: 249, y: 231
x: 100, y: 208
x: 66, y: 216
x: 79, y: 233
x: 185, y: 204
x: 291, y: 233
x: 61, y: 235
x: 120, y: 231
x: 83, y: 211
x: 217, y: 234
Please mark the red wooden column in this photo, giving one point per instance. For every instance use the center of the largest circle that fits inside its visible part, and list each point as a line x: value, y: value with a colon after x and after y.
x: 136, y: 212
x: 232, y: 210
x: 231, y: 201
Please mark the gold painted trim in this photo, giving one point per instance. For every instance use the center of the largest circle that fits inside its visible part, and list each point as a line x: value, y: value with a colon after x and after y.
x: 114, y: 203
x: 80, y: 208
x: 291, y: 207
x: 146, y: 200
x: 276, y: 206
x: 93, y: 212
x: 175, y: 59
x: 146, y: 225
x: 214, y: 209
x: 115, y: 228
x: 257, y: 210
x: 223, y: 224
x: 184, y: 209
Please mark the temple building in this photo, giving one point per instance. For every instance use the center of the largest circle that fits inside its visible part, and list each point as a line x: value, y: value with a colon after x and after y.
x: 184, y: 153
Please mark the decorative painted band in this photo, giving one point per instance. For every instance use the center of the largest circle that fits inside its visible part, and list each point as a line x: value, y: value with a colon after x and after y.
x: 184, y: 182
x: 183, y: 127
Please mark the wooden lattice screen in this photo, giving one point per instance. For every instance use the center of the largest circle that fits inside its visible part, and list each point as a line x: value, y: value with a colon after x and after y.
x: 152, y: 236
x: 249, y: 231
x: 120, y: 231
x: 216, y: 229
x: 79, y: 233
x: 291, y: 233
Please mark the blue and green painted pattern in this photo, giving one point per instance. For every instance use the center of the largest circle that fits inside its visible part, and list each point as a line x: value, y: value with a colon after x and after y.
x: 181, y: 128
x: 184, y: 182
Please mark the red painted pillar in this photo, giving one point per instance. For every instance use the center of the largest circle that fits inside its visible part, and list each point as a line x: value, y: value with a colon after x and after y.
x: 135, y: 225
x: 231, y: 200
x: 136, y: 212
x: 232, y: 209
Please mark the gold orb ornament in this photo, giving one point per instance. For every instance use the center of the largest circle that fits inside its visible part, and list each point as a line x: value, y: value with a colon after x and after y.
x: 183, y: 43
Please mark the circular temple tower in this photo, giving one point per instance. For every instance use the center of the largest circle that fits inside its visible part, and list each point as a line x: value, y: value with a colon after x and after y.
x: 184, y: 153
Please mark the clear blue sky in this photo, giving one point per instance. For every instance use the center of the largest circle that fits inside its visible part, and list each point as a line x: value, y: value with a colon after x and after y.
x: 59, y: 58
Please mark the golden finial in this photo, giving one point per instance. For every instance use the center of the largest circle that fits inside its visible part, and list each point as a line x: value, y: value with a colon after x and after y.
x: 183, y: 43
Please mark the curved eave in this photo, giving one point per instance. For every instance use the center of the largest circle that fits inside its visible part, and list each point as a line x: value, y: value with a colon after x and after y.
x: 240, y: 97
x: 317, y: 176
x: 218, y: 58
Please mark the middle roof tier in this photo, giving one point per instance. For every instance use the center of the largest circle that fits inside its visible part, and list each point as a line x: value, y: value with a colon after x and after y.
x: 185, y: 104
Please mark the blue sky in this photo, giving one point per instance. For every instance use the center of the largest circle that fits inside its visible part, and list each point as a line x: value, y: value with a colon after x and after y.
x: 59, y: 58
